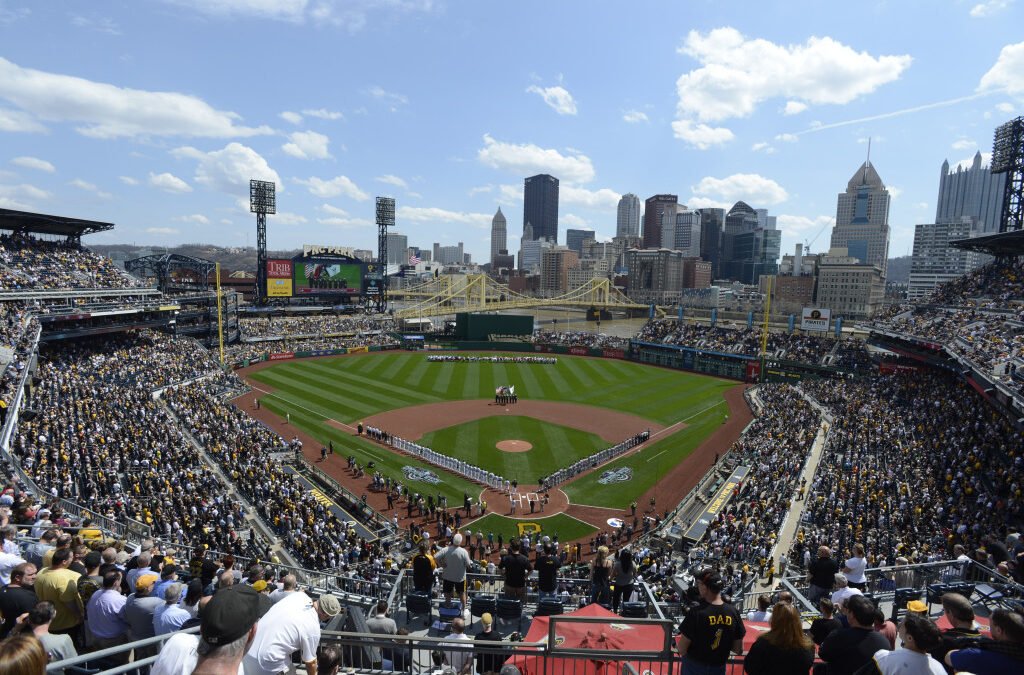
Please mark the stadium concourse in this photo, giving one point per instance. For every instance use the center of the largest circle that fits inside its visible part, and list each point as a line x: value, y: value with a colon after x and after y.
x: 887, y: 482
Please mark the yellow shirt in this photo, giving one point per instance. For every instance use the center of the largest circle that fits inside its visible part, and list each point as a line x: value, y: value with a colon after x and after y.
x: 61, y: 588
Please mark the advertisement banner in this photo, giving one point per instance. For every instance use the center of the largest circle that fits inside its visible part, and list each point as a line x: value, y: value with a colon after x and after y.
x: 815, y: 319
x: 279, y: 288
x: 722, y: 496
x: 279, y: 269
x: 362, y: 349
x: 579, y: 351
x: 613, y: 353
x: 282, y: 356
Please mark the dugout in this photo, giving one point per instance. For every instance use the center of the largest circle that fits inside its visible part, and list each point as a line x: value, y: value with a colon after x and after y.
x: 470, y: 326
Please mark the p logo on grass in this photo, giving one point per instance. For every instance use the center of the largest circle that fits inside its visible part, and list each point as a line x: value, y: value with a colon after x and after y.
x: 620, y: 475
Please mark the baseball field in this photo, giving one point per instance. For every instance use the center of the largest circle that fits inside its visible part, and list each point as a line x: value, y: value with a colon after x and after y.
x: 565, y: 411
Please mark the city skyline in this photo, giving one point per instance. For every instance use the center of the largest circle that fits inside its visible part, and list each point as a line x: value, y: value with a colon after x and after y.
x: 155, y: 115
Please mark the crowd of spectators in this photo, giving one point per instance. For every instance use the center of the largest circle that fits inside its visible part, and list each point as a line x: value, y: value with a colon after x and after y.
x: 747, y: 341
x: 253, y: 350
x: 27, y: 263
x: 18, y: 330
x: 580, y: 338
x: 320, y: 326
x: 98, y: 438
x: 915, y: 465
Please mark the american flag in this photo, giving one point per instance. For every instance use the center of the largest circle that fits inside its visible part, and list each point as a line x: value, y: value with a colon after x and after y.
x: 415, y: 260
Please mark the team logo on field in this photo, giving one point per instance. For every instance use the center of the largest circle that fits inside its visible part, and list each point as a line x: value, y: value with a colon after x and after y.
x: 424, y: 475
x: 620, y: 475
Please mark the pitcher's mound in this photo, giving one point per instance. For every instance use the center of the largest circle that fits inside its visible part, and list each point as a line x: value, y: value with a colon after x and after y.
x: 513, y: 446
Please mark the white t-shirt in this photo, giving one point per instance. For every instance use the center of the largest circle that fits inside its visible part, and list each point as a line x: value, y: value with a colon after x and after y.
x: 905, y: 661
x: 857, y: 567
x: 458, y: 657
x: 842, y: 594
x: 178, y: 656
x: 290, y: 625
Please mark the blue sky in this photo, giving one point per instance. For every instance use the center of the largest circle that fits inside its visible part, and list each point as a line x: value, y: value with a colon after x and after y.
x: 154, y: 114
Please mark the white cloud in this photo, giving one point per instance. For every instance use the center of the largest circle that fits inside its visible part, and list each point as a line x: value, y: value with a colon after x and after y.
x: 128, y: 180
x: 707, y: 203
x: 352, y: 15
x: 101, y: 25
x: 393, y: 99
x: 794, y: 108
x: 197, y: 218
x: 737, y: 73
x: 593, y: 199
x: 964, y: 144
x: 984, y: 10
x: 763, y: 147
x: 389, y: 179
x: 287, y: 218
x: 1005, y: 107
x: 922, y: 205
x: 509, y: 194
x: 1008, y: 72
x: 323, y: 114
x: 291, y: 117
x: 19, y: 122
x: 635, y: 116
x: 107, y: 111
x: 21, y: 197
x: 572, y: 220
x: 558, y: 98
x: 894, y: 192
x: 701, y: 136
x: 162, y: 230
x: 168, y: 182
x: 802, y: 227
x: 335, y: 187
x: 481, y: 189
x: 752, y: 188
x: 307, y: 145
x: 12, y: 15
x: 89, y: 187
x: 342, y: 222
x: 34, y: 163
x: 528, y: 159
x: 787, y: 138
x: 229, y: 169
x: 430, y: 214
x: 334, y: 210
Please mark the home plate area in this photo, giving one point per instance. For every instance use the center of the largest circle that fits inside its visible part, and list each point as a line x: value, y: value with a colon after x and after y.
x: 520, y: 502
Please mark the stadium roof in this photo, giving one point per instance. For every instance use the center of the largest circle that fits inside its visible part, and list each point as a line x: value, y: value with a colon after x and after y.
x: 1002, y: 243
x: 41, y: 223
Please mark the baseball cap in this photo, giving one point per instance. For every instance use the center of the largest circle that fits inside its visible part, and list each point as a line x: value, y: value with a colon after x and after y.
x: 329, y: 605
x: 713, y: 580
x: 486, y: 618
x: 229, y: 615
x: 145, y: 581
x: 917, y: 606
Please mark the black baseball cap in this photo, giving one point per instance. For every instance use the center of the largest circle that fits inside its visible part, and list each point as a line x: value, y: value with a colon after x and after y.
x: 229, y: 614
x: 713, y: 580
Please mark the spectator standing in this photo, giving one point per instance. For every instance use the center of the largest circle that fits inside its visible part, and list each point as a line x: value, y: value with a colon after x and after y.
x: 623, y: 577
x: 516, y: 568
x: 547, y: 572
x: 854, y: 569
x: 105, y: 614
x: 423, y: 567
x: 292, y: 624
x: 8, y: 561
x: 710, y: 632
x: 1004, y: 653
x: 823, y: 626
x: 783, y: 650
x: 380, y: 623
x: 58, y: 647
x: 843, y: 590
x: 455, y: 563
x: 488, y: 663
x: 600, y: 577
x: 822, y: 574
x: 763, y: 611
x: 17, y: 597
x: 169, y: 617
x: 960, y: 614
x: 847, y: 649
x: 139, y: 609
x: 288, y: 584
x: 919, y: 635
x: 459, y: 657
x: 59, y: 585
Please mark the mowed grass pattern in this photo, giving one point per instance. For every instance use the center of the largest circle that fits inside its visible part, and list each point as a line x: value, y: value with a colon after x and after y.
x: 554, y: 446
x: 349, y: 389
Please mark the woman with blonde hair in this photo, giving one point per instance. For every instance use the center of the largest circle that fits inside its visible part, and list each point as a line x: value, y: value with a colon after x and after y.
x: 600, y: 575
x: 783, y: 650
x: 22, y: 655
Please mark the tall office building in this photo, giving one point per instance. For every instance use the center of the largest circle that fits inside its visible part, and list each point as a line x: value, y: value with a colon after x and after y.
x: 574, y: 239
x: 555, y: 263
x: 750, y: 244
x: 974, y: 192
x: 499, y: 235
x: 862, y: 219
x: 653, y: 209
x: 398, y: 249
x: 711, y: 223
x: 627, y: 223
x: 540, y: 206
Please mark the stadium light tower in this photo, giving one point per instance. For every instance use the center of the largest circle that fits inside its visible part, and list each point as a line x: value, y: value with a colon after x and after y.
x: 262, y: 200
x: 1008, y: 158
x: 385, y: 219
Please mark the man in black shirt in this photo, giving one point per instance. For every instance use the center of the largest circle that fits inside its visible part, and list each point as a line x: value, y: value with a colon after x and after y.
x: 821, y: 628
x: 423, y: 567
x: 488, y: 663
x: 847, y: 649
x: 17, y: 597
x: 710, y: 632
x: 547, y: 572
x: 516, y: 567
x: 821, y: 573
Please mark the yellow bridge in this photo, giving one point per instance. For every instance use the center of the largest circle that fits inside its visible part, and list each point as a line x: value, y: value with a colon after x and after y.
x: 448, y: 294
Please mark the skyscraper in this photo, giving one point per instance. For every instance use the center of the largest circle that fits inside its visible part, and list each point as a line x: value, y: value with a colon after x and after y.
x: 499, y: 234
x: 540, y: 206
x: 574, y: 239
x: 862, y: 218
x: 627, y: 223
x: 974, y: 192
x: 711, y: 223
x: 398, y: 249
x: 653, y: 208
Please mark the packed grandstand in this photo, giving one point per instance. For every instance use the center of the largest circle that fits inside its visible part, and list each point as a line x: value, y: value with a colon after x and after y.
x: 125, y: 450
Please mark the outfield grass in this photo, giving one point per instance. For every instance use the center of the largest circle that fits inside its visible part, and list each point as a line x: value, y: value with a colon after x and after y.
x: 554, y: 446
x: 567, y: 527
x: 352, y: 387
x: 348, y: 389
